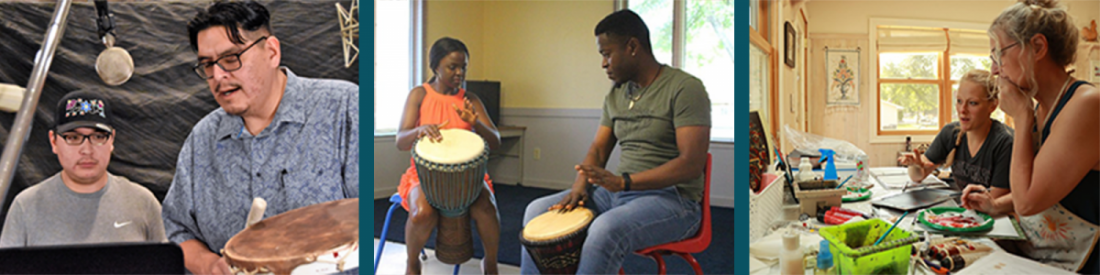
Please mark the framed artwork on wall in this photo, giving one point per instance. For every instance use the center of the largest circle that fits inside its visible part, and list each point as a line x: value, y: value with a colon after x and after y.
x: 790, y: 44
x: 842, y: 77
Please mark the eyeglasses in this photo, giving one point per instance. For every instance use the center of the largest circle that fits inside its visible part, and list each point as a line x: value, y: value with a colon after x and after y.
x: 74, y: 139
x: 996, y: 56
x: 229, y: 63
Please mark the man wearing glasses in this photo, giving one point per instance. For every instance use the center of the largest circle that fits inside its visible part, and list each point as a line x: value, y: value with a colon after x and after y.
x: 291, y: 140
x: 83, y: 203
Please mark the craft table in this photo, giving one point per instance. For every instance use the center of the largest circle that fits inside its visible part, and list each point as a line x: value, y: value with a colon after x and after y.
x: 997, y: 259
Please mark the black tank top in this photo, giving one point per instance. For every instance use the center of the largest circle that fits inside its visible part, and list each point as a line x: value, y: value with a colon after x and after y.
x: 1083, y: 200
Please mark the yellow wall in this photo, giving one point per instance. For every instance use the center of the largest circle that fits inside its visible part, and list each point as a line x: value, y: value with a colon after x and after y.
x: 462, y: 20
x: 542, y: 52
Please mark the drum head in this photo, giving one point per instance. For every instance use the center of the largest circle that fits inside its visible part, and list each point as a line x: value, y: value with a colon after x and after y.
x: 458, y: 146
x: 115, y: 66
x: 552, y: 225
x: 295, y: 237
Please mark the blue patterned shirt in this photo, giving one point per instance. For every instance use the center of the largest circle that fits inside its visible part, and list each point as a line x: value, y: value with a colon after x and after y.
x: 308, y: 154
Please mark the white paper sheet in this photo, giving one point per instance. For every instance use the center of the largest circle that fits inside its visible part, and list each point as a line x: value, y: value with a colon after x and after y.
x: 888, y: 171
x: 1001, y: 262
x: 900, y: 181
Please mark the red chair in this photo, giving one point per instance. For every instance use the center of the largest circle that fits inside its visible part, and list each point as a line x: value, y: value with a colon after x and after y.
x: 685, y: 247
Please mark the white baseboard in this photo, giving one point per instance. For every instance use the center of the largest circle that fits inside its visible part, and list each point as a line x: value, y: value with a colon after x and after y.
x: 721, y: 201
x: 384, y: 192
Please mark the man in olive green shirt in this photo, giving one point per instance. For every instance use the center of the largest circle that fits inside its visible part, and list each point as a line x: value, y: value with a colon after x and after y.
x: 660, y: 116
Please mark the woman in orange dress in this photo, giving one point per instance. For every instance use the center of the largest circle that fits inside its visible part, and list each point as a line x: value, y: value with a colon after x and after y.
x: 443, y: 104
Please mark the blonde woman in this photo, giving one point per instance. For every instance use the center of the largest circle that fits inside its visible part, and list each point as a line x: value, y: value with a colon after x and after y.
x: 978, y: 148
x: 1055, y: 175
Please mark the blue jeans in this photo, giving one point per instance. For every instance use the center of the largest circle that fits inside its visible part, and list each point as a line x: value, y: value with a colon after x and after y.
x: 625, y: 222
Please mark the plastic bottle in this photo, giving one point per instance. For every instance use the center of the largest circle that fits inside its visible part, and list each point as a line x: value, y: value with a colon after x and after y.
x: 805, y: 169
x: 790, y: 260
x: 830, y: 166
x: 824, y: 260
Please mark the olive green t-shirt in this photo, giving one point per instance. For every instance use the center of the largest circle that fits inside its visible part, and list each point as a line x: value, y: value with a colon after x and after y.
x: 646, y: 131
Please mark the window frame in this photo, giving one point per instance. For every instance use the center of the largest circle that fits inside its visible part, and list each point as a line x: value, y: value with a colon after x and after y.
x: 416, y: 66
x: 760, y: 39
x: 944, y: 79
x: 679, y: 45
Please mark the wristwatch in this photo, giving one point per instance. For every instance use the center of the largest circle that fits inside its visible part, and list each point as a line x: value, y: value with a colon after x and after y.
x: 626, y: 182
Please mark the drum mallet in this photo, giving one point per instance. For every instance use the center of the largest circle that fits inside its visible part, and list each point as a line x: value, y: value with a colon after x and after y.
x: 257, y: 212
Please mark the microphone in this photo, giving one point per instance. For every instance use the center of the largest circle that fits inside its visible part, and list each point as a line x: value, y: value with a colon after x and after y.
x: 114, y: 64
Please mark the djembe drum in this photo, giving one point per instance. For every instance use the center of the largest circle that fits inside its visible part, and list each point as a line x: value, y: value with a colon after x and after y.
x: 554, y: 239
x: 452, y: 175
x: 317, y: 239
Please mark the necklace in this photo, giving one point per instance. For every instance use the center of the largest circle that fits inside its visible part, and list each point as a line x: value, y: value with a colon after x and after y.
x: 1061, y: 92
x: 633, y: 98
x: 634, y: 87
x: 1037, y: 135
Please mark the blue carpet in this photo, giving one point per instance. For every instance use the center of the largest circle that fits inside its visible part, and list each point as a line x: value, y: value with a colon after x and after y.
x: 513, y: 200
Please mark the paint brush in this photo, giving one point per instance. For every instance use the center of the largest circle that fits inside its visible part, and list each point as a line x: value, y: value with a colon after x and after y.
x: 845, y: 181
x: 891, y: 228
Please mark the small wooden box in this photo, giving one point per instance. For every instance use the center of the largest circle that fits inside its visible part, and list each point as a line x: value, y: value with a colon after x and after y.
x: 815, y: 194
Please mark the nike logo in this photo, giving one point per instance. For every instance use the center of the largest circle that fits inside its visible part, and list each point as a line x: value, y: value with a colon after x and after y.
x: 119, y: 225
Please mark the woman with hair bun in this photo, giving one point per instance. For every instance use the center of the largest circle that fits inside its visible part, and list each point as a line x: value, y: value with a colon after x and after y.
x: 1055, y: 175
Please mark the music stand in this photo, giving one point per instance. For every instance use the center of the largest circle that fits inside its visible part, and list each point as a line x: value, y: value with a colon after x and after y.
x: 112, y: 258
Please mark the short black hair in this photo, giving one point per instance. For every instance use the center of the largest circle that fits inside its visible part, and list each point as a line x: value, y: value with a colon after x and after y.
x: 442, y: 47
x: 248, y: 15
x: 625, y: 24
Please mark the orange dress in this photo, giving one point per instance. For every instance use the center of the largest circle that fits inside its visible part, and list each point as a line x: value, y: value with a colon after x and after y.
x: 435, y: 109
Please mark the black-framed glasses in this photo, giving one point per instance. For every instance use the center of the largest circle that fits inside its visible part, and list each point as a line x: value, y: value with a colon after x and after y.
x: 996, y: 56
x: 74, y: 139
x: 229, y: 63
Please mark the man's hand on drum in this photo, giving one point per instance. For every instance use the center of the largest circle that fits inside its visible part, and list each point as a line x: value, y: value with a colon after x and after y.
x: 576, y: 197
x: 601, y: 177
x: 431, y: 130
x: 468, y: 114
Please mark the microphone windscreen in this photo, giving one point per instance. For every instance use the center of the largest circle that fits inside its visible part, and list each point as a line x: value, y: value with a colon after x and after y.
x: 115, y: 66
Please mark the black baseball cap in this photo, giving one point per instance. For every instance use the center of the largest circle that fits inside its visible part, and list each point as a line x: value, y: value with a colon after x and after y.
x: 83, y: 109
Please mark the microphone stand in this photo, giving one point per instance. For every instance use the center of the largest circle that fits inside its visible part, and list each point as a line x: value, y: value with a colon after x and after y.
x: 21, y: 127
x: 105, y: 24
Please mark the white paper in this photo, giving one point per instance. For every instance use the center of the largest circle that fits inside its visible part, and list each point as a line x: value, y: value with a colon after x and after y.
x: 900, y: 182
x: 888, y: 171
x: 1000, y: 262
x: 756, y: 265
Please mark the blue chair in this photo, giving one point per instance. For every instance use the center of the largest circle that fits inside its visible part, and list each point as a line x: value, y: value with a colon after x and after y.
x: 396, y: 203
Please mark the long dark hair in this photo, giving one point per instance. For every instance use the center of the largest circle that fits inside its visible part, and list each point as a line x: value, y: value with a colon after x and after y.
x: 441, y: 48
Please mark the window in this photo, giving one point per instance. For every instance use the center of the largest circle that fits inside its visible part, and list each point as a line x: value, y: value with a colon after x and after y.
x: 395, y: 62
x: 758, y: 78
x: 919, y: 68
x: 697, y: 37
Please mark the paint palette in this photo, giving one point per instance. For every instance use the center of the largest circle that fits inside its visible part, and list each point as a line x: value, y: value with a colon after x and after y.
x: 952, y: 219
x: 856, y: 194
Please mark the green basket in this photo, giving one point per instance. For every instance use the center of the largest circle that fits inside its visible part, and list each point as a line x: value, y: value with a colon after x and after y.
x: 854, y: 252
